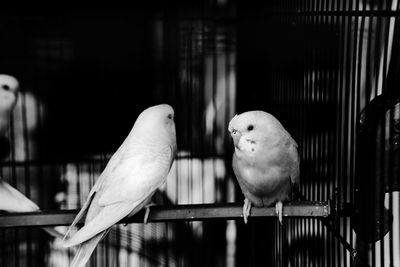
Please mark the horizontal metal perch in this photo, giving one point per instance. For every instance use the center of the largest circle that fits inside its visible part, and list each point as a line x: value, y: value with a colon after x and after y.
x: 193, y: 212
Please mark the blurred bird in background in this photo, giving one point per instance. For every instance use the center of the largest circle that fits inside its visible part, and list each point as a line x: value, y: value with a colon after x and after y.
x: 9, y: 87
x: 265, y: 161
x: 11, y: 200
x: 131, y: 177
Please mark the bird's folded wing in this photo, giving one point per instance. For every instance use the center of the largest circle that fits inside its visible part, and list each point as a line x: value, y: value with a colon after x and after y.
x: 96, y: 187
x: 123, y: 186
x: 134, y: 180
x: 295, y: 166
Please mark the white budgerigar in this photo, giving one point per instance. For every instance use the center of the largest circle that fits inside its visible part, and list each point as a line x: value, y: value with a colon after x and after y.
x: 131, y: 177
x: 11, y: 200
x: 265, y: 161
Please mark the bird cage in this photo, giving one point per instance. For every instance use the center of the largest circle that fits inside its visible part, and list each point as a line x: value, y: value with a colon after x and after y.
x: 327, y: 70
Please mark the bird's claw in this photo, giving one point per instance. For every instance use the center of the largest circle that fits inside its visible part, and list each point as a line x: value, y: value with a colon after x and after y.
x: 147, y: 212
x: 246, y: 209
x: 279, y: 211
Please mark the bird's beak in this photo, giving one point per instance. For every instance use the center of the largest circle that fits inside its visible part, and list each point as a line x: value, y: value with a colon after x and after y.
x: 236, y: 135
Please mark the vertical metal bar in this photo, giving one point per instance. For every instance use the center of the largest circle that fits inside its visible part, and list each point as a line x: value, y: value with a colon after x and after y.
x: 391, y: 156
x: 202, y: 73
x: 316, y: 135
x: 214, y: 38
x: 384, y: 166
x: 300, y: 96
x: 322, y: 145
x: 307, y: 99
x: 365, y: 93
x: 339, y: 155
x: 379, y: 167
x: 332, y: 87
x: 188, y: 35
x: 16, y: 237
x: 358, y: 70
x: 353, y: 116
x: 307, y: 144
x: 397, y: 174
x: 346, y: 131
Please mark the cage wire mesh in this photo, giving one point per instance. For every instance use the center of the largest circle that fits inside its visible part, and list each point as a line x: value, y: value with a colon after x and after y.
x: 328, y: 70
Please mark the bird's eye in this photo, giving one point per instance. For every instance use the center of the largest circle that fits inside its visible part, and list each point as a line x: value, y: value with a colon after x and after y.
x: 170, y: 116
x: 251, y: 127
x: 5, y: 87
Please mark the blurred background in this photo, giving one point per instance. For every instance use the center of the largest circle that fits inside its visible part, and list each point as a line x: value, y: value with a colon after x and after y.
x: 328, y: 70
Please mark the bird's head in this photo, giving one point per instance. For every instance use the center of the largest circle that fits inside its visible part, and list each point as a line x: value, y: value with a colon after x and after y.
x: 9, y: 87
x: 253, y: 126
x: 157, y: 122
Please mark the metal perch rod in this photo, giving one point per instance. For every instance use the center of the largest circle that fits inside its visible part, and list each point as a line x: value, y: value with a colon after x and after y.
x: 193, y: 212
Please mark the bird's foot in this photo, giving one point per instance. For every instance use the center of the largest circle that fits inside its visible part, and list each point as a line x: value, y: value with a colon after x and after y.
x: 246, y: 209
x: 279, y: 211
x: 146, y: 214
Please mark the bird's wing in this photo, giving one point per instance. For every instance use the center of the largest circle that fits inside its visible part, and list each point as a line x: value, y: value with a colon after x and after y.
x: 122, y: 192
x: 96, y: 187
x: 238, y: 174
x: 133, y: 179
x: 12, y: 200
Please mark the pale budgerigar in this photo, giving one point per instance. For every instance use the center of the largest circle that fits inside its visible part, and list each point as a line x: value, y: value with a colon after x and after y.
x: 265, y: 161
x: 133, y: 174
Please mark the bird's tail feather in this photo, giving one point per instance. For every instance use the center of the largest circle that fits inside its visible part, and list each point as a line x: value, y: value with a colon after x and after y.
x: 81, y: 213
x: 86, y: 249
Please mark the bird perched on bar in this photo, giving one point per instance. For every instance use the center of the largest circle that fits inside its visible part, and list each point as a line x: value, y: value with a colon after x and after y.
x: 11, y: 200
x: 265, y: 160
x: 131, y: 177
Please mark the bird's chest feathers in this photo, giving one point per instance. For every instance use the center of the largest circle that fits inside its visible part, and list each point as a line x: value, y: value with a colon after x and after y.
x: 254, y: 152
x: 263, y: 169
x: 246, y: 147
